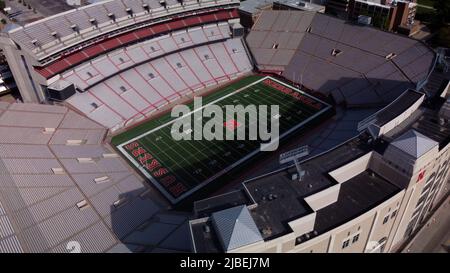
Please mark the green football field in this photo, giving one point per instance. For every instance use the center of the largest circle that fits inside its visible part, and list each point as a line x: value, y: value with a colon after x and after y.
x: 178, y: 168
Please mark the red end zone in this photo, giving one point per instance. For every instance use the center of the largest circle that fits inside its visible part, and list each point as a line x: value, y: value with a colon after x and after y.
x: 154, y: 167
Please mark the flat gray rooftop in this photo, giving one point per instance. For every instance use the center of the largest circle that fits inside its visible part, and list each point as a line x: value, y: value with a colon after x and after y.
x: 360, y: 193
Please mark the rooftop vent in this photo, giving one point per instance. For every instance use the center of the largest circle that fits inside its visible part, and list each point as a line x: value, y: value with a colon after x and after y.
x: 34, y: 42
x: 93, y: 21
x: 101, y: 180
x: 163, y: 3
x: 336, y: 52
x: 49, y: 130
x: 120, y: 202
x: 146, y: 7
x: 58, y: 171
x: 129, y: 11
x: 74, y: 27
x: 75, y: 141
x: 112, y: 16
x: 275, y: 46
x: 266, y: 231
x: 85, y: 160
x: 54, y: 34
x: 390, y: 56
x: 82, y: 205
x: 111, y: 155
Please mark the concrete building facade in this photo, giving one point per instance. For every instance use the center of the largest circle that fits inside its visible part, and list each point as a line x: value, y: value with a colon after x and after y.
x: 368, y: 195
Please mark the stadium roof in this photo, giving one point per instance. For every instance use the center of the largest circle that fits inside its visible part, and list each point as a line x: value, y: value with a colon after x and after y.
x: 59, y: 183
x: 358, y: 65
x: 414, y: 143
x: 235, y: 227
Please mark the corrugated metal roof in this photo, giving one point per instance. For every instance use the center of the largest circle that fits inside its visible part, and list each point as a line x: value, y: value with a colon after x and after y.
x: 235, y: 227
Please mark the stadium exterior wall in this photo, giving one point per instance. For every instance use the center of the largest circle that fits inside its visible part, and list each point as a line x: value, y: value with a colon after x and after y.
x: 374, y: 235
x: 28, y: 81
x: 422, y: 182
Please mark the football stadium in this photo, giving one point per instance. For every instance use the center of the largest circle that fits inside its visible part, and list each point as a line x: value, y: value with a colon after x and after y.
x: 87, y: 152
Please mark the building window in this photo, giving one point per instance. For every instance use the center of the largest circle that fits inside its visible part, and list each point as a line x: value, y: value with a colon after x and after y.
x: 394, y: 213
x: 386, y: 219
x: 345, y: 243
x: 355, y: 238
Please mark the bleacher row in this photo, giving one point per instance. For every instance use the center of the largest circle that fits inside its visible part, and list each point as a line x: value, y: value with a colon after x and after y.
x: 88, y: 74
x: 120, y: 41
x: 135, y: 93
x: 57, y: 32
x: 60, y: 183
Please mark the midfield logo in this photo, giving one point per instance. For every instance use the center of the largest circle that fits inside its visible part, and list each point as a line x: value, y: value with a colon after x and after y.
x: 251, y: 123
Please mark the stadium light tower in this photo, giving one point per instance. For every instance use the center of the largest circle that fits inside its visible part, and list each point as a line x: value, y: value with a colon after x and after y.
x: 295, y: 155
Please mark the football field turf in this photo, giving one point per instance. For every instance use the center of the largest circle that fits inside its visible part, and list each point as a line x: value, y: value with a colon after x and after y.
x: 178, y: 168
